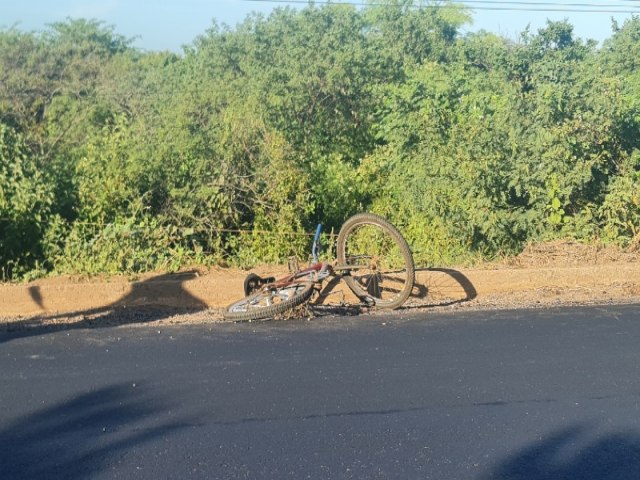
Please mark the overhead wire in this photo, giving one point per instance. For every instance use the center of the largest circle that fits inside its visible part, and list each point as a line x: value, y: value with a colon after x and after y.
x: 515, y: 5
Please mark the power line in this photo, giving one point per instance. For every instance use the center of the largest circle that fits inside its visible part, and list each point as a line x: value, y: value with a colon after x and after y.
x: 487, y: 5
x: 544, y: 4
x: 444, y: 4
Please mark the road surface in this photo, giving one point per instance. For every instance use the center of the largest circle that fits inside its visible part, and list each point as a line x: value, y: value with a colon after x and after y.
x: 538, y: 394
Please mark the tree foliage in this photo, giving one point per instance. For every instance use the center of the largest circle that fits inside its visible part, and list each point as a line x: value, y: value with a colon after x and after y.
x: 118, y: 160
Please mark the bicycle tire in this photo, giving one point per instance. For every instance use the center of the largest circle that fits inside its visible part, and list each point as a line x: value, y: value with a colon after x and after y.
x: 388, y: 279
x: 269, y: 302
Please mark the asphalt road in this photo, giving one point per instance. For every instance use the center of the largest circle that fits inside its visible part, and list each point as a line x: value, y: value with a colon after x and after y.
x: 551, y: 394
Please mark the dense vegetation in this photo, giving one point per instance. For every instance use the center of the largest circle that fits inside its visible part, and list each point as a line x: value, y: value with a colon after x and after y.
x: 114, y: 159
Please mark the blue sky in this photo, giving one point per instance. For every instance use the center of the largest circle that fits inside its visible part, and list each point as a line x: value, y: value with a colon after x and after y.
x: 169, y: 24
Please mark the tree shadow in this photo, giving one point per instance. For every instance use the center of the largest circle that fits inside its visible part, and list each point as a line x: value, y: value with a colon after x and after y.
x: 575, y: 453
x: 78, y: 438
x: 155, y: 298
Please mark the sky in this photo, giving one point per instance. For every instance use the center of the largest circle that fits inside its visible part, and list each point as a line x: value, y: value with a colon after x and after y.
x: 170, y: 24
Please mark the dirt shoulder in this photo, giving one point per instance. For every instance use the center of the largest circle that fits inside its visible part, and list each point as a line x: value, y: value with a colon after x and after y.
x: 563, y: 273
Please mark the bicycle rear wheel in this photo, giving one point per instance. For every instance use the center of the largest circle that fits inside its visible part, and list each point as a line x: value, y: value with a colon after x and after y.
x: 269, y: 302
x: 377, y: 260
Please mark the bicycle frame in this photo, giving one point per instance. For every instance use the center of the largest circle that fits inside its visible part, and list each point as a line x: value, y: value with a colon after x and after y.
x: 315, y: 272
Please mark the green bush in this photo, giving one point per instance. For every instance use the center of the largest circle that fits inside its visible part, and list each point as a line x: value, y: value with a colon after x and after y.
x: 115, y: 160
x: 26, y: 202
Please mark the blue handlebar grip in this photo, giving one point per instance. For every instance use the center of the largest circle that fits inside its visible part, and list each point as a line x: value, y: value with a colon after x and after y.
x: 314, y: 249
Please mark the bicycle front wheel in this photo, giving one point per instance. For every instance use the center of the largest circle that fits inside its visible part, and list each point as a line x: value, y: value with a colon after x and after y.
x: 376, y: 259
x: 269, y: 302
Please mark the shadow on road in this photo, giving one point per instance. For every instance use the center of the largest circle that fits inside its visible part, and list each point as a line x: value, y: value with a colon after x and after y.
x: 74, y: 439
x: 133, y: 308
x: 575, y: 453
x: 434, y: 287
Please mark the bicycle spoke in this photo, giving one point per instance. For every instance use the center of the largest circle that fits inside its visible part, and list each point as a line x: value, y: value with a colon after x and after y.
x: 377, y: 260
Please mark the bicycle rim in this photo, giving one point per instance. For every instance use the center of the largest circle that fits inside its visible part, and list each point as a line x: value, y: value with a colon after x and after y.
x: 378, y: 259
x: 269, y: 302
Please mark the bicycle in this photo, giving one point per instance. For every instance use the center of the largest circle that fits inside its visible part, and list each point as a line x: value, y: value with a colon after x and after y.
x: 373, y: 258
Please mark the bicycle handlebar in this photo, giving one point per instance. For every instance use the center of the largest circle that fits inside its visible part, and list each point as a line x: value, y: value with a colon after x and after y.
x: 316, y: 243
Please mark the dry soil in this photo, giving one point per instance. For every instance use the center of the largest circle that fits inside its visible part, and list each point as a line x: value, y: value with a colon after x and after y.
x: 552, y: 274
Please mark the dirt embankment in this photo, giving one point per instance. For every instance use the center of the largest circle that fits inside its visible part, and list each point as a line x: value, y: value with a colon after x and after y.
x: 551, y: 274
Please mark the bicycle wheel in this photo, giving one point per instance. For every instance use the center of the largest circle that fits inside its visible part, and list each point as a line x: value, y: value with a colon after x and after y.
x: 269, y: 302
x: 377, y: 260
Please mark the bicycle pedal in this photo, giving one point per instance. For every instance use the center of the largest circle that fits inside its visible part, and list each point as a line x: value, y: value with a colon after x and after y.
x: 368, y: 302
